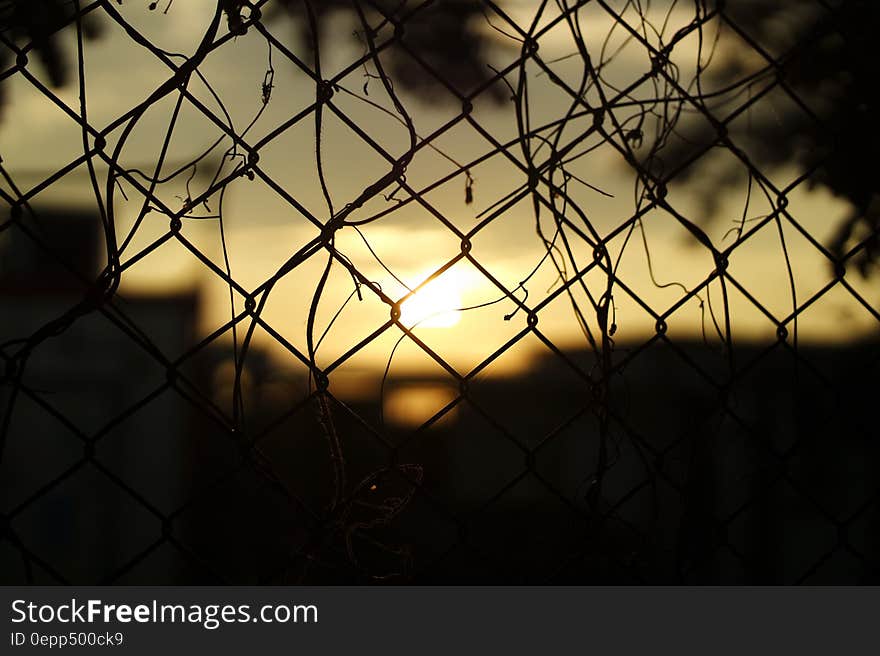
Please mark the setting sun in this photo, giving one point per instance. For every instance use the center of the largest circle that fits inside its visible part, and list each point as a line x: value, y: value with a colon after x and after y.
x: 436, y: 305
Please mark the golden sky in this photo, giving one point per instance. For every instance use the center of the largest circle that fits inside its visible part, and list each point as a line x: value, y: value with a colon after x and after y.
x: 263, y: 231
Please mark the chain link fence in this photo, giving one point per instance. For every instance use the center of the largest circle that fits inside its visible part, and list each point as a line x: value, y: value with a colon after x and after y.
x: 667, y: 211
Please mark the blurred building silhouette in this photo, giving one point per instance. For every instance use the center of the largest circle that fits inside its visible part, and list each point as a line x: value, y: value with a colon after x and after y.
x: 76, y: 386
x: 767, y: 478
x: 755, y: 481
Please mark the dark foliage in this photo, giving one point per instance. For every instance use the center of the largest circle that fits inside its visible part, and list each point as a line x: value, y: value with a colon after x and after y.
x: 826, y: 62
x: 445, y: 35
x: 36, y: 22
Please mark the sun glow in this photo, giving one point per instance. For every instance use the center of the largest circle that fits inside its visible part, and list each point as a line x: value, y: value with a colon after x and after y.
x: 436, y: 305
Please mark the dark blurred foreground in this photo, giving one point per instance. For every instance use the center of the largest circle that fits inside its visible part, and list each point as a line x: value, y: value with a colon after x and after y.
x: 114, y: 471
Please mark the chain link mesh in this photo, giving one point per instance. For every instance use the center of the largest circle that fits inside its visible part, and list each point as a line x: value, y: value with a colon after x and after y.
x: 641, y: 445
